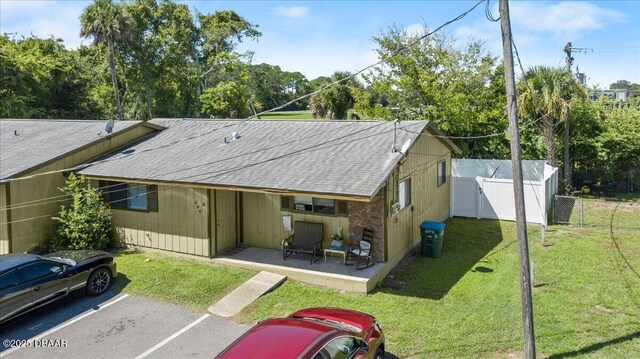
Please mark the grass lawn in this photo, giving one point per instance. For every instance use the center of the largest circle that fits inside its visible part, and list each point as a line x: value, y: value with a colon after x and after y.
x: 194, y: 284
x: 287, y: 115
x: 466, y: 304
x: 602, y: 212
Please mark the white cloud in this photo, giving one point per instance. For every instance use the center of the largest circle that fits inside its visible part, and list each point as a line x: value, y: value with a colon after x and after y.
x: 294, y: 12
x: 415, y: 30
x: 567, y: 19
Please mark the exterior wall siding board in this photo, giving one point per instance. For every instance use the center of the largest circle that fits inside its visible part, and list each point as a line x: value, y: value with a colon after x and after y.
x: 262, y: 221
x: 180, y: 225
x: 428, y: 201
x: 33, y: 230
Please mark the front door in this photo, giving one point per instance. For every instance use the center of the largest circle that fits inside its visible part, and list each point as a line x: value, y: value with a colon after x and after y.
x: 225, y: 220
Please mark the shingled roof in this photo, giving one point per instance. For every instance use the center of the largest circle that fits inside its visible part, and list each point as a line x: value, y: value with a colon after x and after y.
x: 347, y: 158
x: 28, y: 144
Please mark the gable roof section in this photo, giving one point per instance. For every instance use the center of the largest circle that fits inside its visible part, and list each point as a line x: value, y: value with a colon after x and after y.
x: 39, y: 142
x: 344, y: 158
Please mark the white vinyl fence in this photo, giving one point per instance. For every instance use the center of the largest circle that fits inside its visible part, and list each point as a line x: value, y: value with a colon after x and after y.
x: 484, y: 189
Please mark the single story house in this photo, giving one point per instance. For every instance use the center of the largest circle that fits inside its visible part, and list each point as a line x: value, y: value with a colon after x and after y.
x: 33, y: 157
x: 200, y: 187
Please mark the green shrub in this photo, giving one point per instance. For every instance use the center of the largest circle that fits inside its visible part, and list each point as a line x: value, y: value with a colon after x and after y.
x: 84, y: 223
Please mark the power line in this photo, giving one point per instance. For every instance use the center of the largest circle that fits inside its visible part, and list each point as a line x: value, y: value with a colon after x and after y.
x: 496, y: 134
x: 44, y: 201
x: 488, y: 14
x: 381, y: 61
x: 606, y: 49
x: 62, y: 198
x: 397, y: 51
x: 386, y: 58
x: 324, y: 144
x: 515, y: 48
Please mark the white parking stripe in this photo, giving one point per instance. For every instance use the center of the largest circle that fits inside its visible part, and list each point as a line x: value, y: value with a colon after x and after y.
x: 68, y: 323
x: 175, y: 335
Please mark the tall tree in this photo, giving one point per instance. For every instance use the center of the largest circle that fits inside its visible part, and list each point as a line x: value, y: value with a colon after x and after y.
x: 457, y: 86
x: 546, y: 93
x: 334, y: 102
x: 106, y: 21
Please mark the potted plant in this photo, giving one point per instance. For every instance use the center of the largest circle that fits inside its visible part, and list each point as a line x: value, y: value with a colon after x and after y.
x: 336, y: 239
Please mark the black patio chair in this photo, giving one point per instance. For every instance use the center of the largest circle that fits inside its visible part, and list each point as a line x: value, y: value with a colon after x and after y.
x: 361, y: 252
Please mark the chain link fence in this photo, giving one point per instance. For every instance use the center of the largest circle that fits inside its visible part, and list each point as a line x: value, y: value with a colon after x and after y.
x: 596, y: 212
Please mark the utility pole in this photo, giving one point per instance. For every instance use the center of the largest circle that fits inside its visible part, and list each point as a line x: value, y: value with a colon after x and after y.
x: 569, y: 60
x: 567, y: 131
x: 518, y: 186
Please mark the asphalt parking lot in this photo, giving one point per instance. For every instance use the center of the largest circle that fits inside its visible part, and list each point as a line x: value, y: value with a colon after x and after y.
x: 116, y: 325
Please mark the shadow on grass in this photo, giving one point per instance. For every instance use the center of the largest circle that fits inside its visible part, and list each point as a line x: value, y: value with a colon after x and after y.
x: 595, y: 347
x: 465, y: 244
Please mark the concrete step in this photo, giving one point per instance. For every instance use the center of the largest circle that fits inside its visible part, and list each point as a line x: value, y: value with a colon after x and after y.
x: 245, y: 294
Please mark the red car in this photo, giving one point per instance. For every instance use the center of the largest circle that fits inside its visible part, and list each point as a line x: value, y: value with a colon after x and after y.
x: 314, y: 333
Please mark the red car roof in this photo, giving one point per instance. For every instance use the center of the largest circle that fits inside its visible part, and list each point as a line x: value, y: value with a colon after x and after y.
x: 361, y: 321
x: 278, y: 338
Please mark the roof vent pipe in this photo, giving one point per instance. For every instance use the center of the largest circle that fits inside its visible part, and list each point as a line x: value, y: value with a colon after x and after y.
x: 394, y: 148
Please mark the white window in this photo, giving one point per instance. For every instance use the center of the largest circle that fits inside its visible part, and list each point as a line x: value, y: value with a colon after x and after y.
x: 404, y: 193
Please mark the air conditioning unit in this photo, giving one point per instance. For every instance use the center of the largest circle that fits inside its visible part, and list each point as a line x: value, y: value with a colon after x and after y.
x: 395, y: 208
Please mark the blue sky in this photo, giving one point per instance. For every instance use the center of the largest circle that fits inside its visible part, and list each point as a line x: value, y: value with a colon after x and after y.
x: 320, y: 37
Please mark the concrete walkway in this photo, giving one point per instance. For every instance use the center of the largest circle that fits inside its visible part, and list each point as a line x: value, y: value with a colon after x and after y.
x: 245, y: 294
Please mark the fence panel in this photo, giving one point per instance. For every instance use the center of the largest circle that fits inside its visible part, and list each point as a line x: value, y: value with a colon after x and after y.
x: 567, y: 210
x: 596, y: 212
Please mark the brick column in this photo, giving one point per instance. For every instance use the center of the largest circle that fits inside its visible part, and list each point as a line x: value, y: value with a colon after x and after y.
x: 369, y: 215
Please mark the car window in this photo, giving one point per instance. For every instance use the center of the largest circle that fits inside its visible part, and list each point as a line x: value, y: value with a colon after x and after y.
x: 39, y: 270
x: 339, y: 348
x: 9, y: 280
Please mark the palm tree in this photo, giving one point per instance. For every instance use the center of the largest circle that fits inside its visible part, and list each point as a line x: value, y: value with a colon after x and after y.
x: 106, y: 21
x: 546, y: 92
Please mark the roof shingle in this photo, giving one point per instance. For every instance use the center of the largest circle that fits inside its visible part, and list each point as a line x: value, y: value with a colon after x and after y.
x: 26, y: 144
x: 351, y: 158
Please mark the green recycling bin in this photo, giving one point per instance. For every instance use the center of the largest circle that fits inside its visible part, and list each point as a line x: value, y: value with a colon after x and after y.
x: 432, y: 234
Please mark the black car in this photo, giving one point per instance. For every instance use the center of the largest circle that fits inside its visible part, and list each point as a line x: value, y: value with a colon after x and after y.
x: 29, y: 281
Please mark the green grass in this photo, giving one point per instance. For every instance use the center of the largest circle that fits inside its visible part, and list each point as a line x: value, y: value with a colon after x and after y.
x: 287, y: 115
x: 466, y: 304
x: 604, y: 212
x: 193, y: 284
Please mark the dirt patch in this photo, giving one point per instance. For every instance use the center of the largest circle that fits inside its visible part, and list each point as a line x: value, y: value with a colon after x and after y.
x: 392, y: 279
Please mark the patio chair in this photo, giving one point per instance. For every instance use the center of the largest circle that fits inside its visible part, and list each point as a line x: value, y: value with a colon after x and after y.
x: 306, y: 239
x: 361, y: 252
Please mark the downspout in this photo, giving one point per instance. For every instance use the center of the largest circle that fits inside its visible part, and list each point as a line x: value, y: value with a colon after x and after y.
x: 7, y: 190
x: 209, y: 226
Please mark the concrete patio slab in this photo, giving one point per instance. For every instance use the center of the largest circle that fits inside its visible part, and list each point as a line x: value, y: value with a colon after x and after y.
x: 245, y: 294
x: 332, y: 273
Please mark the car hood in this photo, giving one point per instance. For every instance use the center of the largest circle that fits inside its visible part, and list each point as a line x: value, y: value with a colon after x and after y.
x: 77, y: 256
x: 356, y: 322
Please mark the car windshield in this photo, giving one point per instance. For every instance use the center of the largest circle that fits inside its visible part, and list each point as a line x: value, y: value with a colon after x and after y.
x: 66, y: 261
x: 333, y: 323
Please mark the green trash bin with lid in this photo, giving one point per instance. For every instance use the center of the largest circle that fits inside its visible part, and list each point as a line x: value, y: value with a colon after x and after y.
x: 431, y: 234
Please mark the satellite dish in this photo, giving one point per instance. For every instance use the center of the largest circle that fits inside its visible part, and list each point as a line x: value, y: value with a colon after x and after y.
x: 405, y: 147
x: 109, y: 127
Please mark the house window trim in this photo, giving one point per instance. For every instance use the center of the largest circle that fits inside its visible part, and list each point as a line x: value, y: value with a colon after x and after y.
x: 410, y: 204
x: 438, y: 173
x: 336, y: 213
x: 154, y: 192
